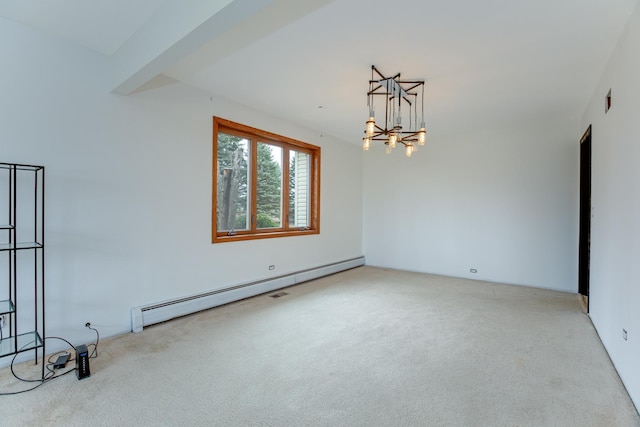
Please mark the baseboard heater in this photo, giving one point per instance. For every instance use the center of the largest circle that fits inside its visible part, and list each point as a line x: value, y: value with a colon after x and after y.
x: 160, y: 312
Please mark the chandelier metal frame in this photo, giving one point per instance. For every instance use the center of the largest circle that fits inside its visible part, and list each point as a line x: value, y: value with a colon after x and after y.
x: 400, y: 102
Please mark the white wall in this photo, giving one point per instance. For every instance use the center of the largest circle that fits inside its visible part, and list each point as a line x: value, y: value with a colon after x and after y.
x: 503, y: 202
x: 615, y: 234
x: 129, y: 187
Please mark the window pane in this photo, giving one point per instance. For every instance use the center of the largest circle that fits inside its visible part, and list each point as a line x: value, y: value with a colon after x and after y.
x: 299, y: 189
x: 233, y: 178
x: 269, y: 195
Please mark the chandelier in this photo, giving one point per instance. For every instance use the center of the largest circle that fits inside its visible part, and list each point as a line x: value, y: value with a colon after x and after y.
x: 400, y: 106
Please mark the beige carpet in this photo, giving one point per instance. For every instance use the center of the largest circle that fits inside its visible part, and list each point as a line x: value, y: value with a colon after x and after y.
x: 367, y: 347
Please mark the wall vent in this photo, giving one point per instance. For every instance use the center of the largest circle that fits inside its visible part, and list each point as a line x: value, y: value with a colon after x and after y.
x: 279, y: 294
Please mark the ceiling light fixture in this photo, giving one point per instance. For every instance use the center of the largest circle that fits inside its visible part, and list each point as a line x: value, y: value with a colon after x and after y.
x: 400, y: 101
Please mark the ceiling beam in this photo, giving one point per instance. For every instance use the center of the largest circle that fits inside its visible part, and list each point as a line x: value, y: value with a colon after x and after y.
x: 271, y: 18
x: 177, y: 29
x: 200, y: 31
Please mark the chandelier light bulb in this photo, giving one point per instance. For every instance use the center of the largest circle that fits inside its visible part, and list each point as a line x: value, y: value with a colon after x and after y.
x: 388, y: 149
x: 371, y: 124
x: 422, y: 135
x: 409, y: 150
x: 366, y: 143
x: 393, y: 139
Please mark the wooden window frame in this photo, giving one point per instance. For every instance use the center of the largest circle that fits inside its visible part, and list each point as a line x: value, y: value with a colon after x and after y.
x: 255, y: 135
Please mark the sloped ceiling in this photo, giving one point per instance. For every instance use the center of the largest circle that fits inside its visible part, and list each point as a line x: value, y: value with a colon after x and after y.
x: 487, y: 64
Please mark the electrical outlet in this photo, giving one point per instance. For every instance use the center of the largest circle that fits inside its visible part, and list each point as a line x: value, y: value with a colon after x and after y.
x: 624, y: 334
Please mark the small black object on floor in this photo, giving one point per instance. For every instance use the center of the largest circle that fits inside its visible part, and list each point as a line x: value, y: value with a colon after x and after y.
x: 61, y: 361
x: 82, y: 362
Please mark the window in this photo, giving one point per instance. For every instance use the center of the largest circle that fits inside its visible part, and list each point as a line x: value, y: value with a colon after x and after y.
x: 265, y: 185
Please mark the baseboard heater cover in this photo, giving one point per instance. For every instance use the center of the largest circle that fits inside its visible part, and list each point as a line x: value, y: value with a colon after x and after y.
x: 160, y: 312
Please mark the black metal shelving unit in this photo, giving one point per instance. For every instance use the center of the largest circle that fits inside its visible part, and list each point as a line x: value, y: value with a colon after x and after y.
x: 22, y: 252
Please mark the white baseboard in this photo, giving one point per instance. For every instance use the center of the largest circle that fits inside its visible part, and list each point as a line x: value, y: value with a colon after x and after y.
x: 160, y: 312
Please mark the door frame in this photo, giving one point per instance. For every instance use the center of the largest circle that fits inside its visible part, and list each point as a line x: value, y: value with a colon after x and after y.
x: 584, y: 242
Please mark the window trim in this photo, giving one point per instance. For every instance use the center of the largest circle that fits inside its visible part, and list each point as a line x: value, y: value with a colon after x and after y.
x: 255, y: 135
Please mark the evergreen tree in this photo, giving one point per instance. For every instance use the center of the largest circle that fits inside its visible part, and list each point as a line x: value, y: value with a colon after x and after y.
x: 233, y: 161
x: 269, y: 197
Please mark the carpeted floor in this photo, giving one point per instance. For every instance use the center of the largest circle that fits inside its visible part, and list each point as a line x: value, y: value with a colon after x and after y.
x: 367, y: 347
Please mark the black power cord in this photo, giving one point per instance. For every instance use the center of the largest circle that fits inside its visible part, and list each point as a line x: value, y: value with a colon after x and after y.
x: 51, y: 374
x: 94, y: 353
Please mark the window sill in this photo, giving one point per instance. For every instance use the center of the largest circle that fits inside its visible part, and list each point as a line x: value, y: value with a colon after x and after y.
x: 224, y: 237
